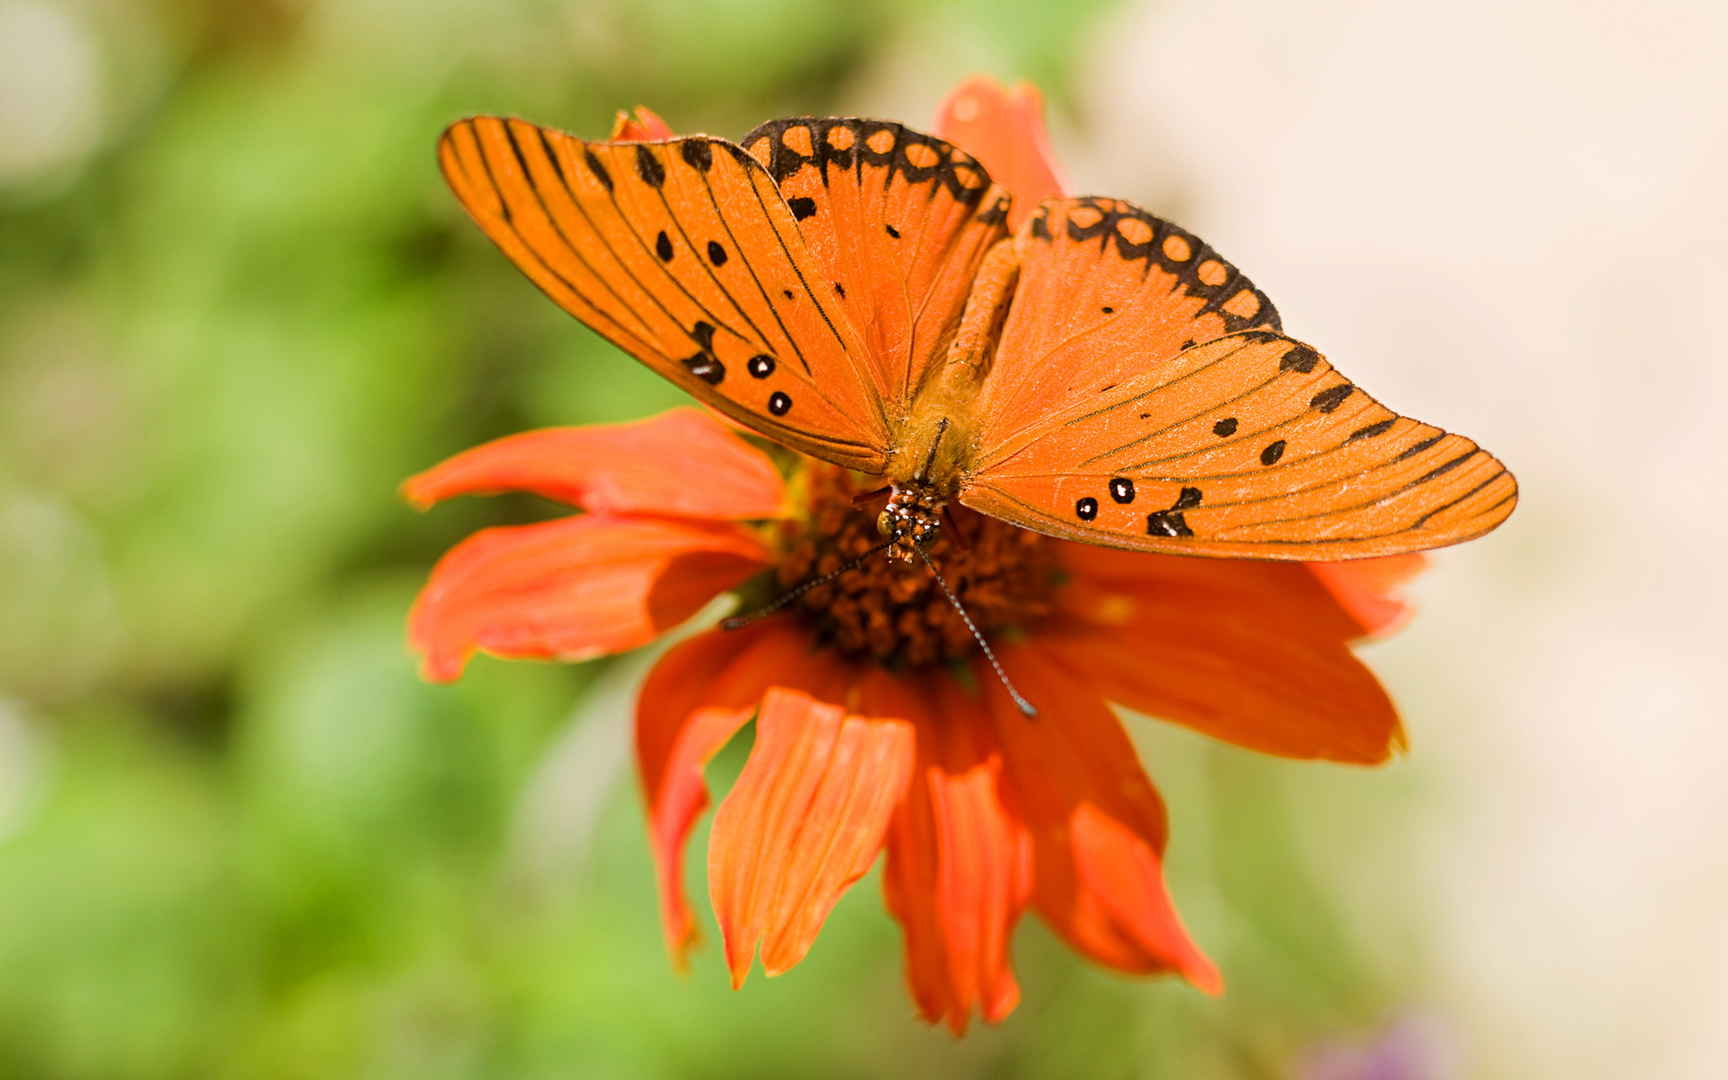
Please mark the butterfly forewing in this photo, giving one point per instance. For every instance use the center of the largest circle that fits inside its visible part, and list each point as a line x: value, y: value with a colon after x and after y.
x: 1106, y: 291
x: 684, y: 254
x: 898, y: 220
x: 1248, y: 445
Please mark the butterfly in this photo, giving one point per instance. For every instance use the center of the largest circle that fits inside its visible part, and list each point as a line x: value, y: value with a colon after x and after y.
x: 851, y: 289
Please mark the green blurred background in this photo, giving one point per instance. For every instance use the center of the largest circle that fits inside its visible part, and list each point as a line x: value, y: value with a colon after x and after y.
x: 239, y: 838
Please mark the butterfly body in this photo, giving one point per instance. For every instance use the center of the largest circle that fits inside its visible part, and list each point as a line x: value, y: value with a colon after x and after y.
x: 936, y: 445
x: 851, y: 289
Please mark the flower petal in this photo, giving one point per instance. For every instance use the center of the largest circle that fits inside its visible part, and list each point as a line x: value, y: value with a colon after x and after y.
x: 1003, y: 128
x: 678, y: 464
x: 1369, y: 588
x: 694, y: 700
x: 805, y: 820
x: 643, y: 125
x: 1255, y: 654
x: 959, y: 871
x: 1097, y: 822
x: 573, y: 589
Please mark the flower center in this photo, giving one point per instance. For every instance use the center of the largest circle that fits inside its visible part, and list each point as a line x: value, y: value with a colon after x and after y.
x: 892, y: 610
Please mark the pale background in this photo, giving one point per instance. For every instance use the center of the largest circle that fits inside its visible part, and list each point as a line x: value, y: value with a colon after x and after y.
x: 236, y: 839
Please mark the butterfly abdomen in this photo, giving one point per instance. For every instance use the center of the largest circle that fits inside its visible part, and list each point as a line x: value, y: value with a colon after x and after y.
x: 939, y: 438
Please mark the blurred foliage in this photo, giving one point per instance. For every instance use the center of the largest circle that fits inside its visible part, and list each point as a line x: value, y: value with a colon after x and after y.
x: 238, y: 837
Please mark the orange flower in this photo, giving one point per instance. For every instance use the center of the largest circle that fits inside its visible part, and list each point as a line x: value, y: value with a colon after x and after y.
x: 879, y: 725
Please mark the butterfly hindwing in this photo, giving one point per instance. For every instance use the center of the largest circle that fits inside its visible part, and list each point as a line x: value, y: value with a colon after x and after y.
x: 1248, y: 445
x: 899, y: 220
x: 684, y: 254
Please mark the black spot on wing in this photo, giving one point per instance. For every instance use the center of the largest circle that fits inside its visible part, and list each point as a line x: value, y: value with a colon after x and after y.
x: 597, y: 168
x: 697, y: 154
x: 845, y: 143
x: 1330, y: 398
x: 1372, y: 430
x: 648, y: 167
x: 1417, y: 448
x: 1173, y: 249
x: 1171, y: 523
x: 707, y: 367
x: 1300, y: 359
x: 1167, y: 523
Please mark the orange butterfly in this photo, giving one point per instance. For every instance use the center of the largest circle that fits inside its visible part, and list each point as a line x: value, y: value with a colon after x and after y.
x: 851, y: 289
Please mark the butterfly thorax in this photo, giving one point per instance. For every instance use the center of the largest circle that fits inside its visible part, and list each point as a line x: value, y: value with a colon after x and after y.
x: 936, y: 451
x: 936, y: 443
x: 927, y: 472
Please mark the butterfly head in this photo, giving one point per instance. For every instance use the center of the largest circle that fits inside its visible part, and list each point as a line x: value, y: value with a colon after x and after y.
x: 911, y: 520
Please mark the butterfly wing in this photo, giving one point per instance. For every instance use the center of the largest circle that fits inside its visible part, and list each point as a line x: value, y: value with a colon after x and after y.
x: 1106, y: 292
x: 898, y: 220
x: 684, y: 254
x: 1243, y: 443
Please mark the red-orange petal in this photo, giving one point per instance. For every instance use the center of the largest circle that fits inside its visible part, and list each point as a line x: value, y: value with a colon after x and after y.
x: 1255, y: 654
x: 681, y: 463
x: 959, y: 869
x: 694, y: 700
x: 1003, y: 128
x: 805, y: 820
x: 1097, y: 823
x: 642, y: 125
x: 1369, y: 589
x: 573, y: 589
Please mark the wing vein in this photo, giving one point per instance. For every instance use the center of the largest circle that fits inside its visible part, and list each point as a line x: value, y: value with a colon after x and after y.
x: 527, y: 182
x: 507, y: 220
x: 1378, y: 500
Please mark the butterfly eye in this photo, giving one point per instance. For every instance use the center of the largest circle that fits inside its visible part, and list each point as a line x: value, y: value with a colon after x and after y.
x: 885, y: 524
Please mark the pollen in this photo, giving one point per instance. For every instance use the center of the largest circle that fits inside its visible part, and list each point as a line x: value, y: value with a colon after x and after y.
x: 893, y: 611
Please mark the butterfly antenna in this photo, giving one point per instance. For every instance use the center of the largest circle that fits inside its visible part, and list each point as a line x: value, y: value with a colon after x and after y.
x: 1020, y: 702
x: 738, y: 621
